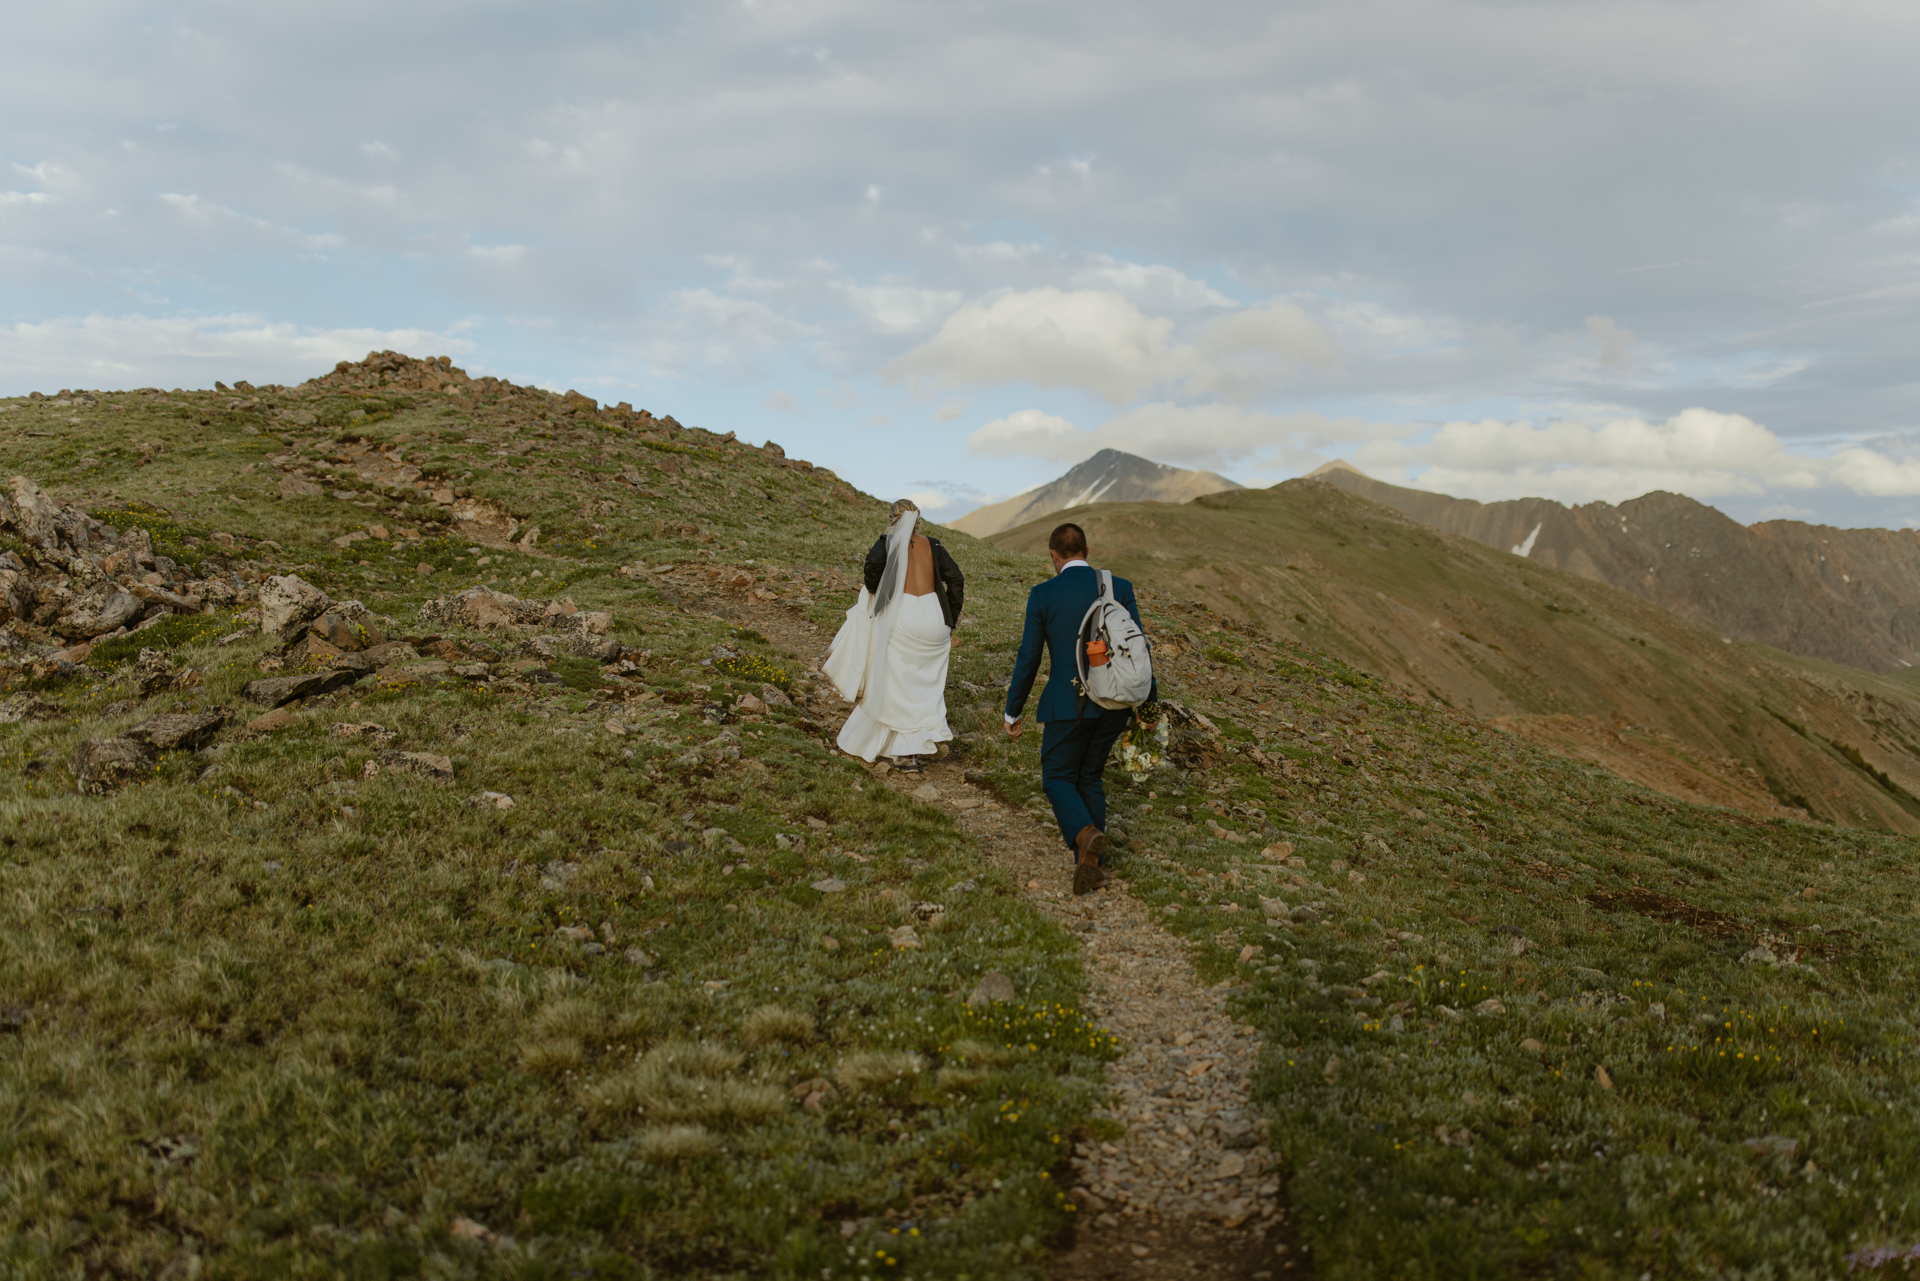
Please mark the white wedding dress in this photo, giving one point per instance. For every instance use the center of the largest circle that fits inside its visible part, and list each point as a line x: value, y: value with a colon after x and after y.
x: 890, y: 659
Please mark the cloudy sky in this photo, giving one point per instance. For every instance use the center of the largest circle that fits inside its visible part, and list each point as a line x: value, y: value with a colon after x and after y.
x: 1580, y: 249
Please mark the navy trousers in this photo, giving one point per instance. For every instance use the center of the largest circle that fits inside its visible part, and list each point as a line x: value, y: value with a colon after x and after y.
x: 1073, y: 763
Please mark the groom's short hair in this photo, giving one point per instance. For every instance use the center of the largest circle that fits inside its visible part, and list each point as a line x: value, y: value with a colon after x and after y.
x: 1069, y: 540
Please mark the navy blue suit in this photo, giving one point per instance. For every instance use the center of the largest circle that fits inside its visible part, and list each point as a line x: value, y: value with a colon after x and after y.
x: 1075, y: 740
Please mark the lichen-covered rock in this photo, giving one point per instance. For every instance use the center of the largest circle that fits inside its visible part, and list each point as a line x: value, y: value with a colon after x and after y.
x: 602, y: 649
x: 424, y: 764
x: 102, y: 766
x: 27, y: 707
x: 16, y: 590
x: 487, y: 610
x: 178, y: 733
x: 346, y: 633
x: 96, y: 611
x: 480, y: 607
x: 288, y: 604
x: 30, y: 514
x: 275, y: 690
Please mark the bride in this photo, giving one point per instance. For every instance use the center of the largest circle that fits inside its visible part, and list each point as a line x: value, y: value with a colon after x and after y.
x: 890, y: 658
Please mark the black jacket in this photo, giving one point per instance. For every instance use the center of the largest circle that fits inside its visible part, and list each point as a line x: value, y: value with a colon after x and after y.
x: 948, y: 584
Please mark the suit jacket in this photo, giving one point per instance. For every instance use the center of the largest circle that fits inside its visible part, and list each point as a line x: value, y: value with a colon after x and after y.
x: 1055, y: 609
x: 948, y: 584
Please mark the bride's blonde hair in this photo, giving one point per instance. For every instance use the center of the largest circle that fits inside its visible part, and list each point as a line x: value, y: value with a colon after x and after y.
x: 901, y: 505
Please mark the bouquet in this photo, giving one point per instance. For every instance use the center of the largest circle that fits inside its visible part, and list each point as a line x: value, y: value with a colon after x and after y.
x: 1143, y: 748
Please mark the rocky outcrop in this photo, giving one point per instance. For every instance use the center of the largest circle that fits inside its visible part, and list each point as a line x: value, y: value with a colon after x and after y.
x: 485, y: 609
x: 80, y: 579
x: 276, y: 690
x: 288, y: 603
x: 177, y: 733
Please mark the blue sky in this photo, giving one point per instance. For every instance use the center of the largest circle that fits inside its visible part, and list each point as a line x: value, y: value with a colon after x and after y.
x: 1580, y: 249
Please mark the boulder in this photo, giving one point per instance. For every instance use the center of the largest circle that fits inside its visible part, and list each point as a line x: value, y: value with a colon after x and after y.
x: 310, y: 650
x: 481, y: 607
x: 288, y: 604
x: 344, y: 633
x: 30, y: 514
x: 424, y: 764
x: 278, y: 718
x: 102, y: 766
x: 276, y: 690
x: 27, y: 707
x: 96, y: 611
x: 178, y: 733
x: 602, y: 649
x: 16, y: 590
x: 161, y: 596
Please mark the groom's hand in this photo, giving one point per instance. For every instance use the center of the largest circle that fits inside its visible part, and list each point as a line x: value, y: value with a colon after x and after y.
x: 1013, y: 728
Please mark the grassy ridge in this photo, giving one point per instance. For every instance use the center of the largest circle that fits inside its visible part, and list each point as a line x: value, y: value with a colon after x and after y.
x: 1642, y: 1099
x: 273, y: 1015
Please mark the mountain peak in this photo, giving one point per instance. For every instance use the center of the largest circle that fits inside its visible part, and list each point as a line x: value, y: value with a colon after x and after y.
x: 1110, y: 476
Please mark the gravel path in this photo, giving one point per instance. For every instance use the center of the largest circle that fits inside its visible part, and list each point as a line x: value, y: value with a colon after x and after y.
x: 1190, y: 1188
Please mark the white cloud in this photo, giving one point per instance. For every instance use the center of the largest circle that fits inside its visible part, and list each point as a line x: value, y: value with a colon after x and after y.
x: 930, y: 500
x: 1699, y: 452
x: 133, y: 351
x: 1152, y: 286
x: 1099, y: 340
x: 949, y: 410
x: 780, y: 402
x: 506, y: 254
x: 50, y: 173
x: 899, y: 309
x: 1034, y: 434
x: 1050, y: 337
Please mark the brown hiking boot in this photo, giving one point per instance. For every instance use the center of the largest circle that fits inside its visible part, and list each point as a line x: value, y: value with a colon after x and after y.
x: 1088, y: 875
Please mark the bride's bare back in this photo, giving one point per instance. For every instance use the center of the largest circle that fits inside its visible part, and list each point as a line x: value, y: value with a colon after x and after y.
x: 920, y: 566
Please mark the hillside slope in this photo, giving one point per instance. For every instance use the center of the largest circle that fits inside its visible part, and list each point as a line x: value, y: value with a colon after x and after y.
x: 1110, y: 476
x: 1561, y: 659
x: 557, y: 941
x: 1847, y: 596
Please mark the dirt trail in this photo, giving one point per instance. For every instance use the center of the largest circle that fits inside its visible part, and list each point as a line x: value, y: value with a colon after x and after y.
x: 1190, y: 1188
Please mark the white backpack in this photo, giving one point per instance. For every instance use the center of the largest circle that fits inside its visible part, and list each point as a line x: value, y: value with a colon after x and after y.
x: 1125, y: 680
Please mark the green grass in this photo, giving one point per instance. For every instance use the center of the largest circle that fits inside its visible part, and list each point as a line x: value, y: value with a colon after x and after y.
x: 1446, y: 1147
x: 272, y: 1017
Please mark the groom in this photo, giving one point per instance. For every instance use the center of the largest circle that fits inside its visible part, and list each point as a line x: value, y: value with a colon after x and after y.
x: 1076, y: 733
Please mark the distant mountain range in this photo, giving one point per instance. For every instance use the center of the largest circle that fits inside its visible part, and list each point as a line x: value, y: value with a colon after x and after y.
x: 1562, y: 658
x: 1108, y: 477
x: 1845, y: 595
